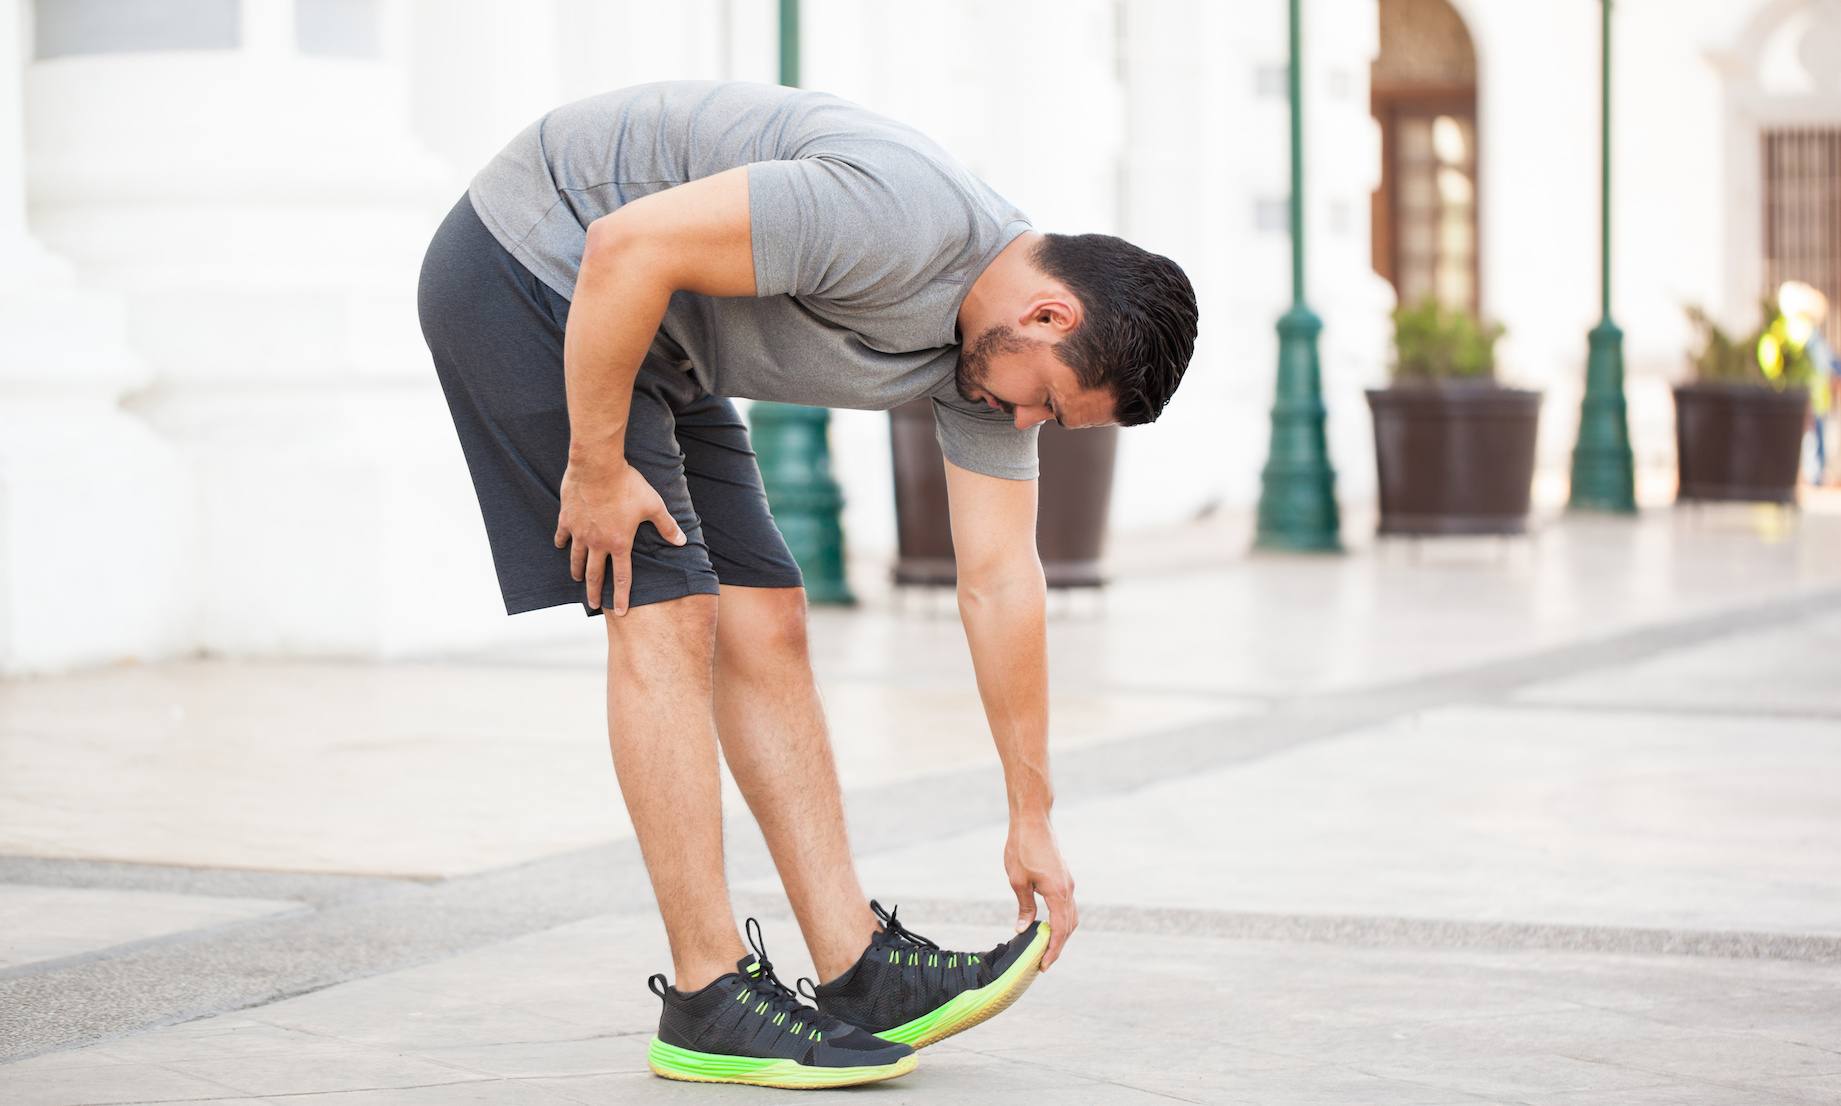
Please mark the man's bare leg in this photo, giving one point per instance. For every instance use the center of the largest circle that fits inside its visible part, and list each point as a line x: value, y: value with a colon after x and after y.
x: 772, y: 726
x: 662, y: 730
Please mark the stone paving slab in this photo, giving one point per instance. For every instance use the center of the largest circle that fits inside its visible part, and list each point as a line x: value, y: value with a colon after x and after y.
x: 53, y: 923
x: 1577, y: 817
x: 376, y: 926
x: 312, y: 767
x: 414, y: 770
x: 563, y: 1016
x: 1787, y: 671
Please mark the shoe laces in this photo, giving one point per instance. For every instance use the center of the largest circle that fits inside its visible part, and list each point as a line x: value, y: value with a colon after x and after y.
x: 762, y: 978
x: 909, y: 950
x: 894, y: 933
x: 775, y: 1000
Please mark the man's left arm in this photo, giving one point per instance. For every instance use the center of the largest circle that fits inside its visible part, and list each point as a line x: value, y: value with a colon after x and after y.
x: 1003, y: 603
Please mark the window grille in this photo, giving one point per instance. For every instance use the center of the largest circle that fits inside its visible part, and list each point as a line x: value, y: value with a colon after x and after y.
x: 1802, y: 213
x: 1433, y: 184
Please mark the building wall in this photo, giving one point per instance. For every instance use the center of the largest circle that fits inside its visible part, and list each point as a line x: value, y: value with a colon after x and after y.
x: 95, y: 508
x: 1206, y: 181
x: 264, y: 248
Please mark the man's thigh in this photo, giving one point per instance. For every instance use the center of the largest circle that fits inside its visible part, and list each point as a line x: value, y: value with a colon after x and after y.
x: 745, y: 547
x: 662, y: 396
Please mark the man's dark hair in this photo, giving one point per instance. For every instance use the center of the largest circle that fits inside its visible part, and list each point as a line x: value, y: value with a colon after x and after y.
x: 1137, y: 329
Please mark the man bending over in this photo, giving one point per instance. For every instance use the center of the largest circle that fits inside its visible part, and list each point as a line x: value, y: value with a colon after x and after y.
x: 629, y: 263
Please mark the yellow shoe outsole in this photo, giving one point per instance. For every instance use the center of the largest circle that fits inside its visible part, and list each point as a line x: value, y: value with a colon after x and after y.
x: 672, y: 1062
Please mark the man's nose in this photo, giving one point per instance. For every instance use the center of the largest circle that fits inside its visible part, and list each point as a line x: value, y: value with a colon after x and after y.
x: 1027, y: 417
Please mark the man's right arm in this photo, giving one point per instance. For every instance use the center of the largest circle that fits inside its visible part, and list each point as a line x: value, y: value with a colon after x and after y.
x: 691, y: 238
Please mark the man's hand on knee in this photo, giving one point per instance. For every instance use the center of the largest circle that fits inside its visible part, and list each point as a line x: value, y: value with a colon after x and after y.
x: 603, y: 506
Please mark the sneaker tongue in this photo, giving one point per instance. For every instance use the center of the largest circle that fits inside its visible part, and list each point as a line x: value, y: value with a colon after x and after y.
x: 884, y: 938
x: 747, y: 967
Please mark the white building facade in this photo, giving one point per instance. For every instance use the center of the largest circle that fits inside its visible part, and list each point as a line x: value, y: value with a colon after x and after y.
x: 219, y: 430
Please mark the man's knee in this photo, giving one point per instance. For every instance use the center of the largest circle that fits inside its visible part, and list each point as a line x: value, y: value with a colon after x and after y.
x: 761, y: 625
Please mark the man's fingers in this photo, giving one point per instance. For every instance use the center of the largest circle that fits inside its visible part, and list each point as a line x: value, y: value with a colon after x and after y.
x: 562, y: 535
x: 623, y: 579
x: 1063, y: 917
x: 596, y: 572
x: 1025, y: 906
x: 667, y: 525
x: 578, y: 556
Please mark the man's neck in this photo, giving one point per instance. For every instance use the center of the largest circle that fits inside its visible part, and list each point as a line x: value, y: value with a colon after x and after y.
x: 1008, y: 279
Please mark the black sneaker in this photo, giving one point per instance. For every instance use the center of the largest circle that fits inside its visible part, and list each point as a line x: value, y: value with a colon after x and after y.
x: 904, y: 988
x: 748, y: 1027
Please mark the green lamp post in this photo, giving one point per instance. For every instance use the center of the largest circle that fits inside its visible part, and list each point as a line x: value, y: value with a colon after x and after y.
x: 1604, y: 473
x: 789, y: 43
x: 1297, y: 499
x: 793, y: 445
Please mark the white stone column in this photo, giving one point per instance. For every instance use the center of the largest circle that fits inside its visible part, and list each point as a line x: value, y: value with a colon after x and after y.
x: 262, y: 211
x: 94, y: 508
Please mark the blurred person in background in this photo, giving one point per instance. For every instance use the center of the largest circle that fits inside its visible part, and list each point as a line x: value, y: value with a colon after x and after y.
x: 1805, y: 309
x: 625, y: 267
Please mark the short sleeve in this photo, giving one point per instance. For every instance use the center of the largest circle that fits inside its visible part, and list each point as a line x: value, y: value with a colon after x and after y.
x: 843, y: 229
x: 987, y: 444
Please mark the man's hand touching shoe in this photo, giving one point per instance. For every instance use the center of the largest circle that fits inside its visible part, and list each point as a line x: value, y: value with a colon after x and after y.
x: 1032, y: 860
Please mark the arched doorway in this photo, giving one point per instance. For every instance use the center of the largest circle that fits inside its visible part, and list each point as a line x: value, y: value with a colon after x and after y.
x: 1424, y: 95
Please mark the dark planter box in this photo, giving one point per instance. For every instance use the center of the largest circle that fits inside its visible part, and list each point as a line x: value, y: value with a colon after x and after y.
x: 1455, y: 458
x: 1073, y: 495
x: 1739, y: 442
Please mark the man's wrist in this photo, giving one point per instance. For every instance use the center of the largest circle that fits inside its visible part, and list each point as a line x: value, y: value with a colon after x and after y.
x: 608, y: 456
x: 1030, y: 790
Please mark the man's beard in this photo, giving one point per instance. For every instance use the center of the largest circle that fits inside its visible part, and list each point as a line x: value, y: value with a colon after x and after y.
x: 975, y: 360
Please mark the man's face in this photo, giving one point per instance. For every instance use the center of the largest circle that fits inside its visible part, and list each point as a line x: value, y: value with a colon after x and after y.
x: 1022, y: 378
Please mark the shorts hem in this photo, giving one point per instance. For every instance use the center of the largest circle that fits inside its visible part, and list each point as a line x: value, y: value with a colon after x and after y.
x: 751, y: 578
x: 525, y: 602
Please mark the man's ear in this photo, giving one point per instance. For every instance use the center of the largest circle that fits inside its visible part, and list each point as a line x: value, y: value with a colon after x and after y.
x: 1050, y: 316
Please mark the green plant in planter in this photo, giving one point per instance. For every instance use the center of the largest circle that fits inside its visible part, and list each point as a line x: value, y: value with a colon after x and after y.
x: 1773, y: 356
x: 1434, y: 343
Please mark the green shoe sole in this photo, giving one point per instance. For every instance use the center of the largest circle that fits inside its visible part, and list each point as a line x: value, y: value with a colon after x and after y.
x: 970, y: 1008
x: 708, y: 1067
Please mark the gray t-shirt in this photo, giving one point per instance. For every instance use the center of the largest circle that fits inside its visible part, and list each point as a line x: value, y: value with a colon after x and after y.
x: 867, y: 237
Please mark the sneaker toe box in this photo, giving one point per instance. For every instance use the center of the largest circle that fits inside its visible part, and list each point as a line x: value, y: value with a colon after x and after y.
x: 1011, y: 951
x: 859, y: 1048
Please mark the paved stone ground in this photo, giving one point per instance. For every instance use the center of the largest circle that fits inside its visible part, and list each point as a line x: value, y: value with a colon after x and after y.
x: 556, y: 1017
x: 1550, y: 821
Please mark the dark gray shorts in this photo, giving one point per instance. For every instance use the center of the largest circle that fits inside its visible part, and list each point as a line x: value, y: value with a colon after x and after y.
x: 496, y: 333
